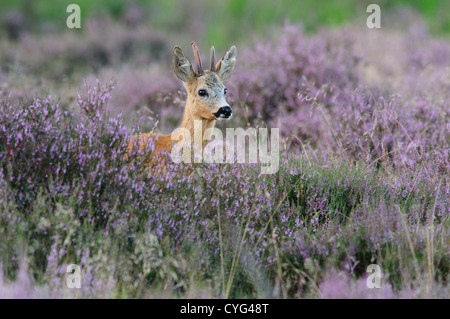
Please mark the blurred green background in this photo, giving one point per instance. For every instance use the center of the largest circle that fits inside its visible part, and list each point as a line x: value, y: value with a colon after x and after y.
x: 219, y: 22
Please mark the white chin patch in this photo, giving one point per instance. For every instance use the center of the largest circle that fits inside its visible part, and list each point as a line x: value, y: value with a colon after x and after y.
x: 222, y: 117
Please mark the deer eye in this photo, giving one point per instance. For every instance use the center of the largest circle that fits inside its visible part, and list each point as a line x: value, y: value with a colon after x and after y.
x: 225, y: 91
x: 202, y: 93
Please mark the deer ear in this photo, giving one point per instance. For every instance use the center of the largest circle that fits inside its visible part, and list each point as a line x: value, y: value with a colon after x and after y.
x: 181, y: 65
x: 225, y: 66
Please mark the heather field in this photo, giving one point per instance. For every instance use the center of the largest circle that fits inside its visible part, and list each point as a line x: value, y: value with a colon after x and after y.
x: 364, y: 163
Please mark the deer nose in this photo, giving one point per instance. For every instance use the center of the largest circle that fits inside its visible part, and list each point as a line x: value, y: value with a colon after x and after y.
x: 224, y: 112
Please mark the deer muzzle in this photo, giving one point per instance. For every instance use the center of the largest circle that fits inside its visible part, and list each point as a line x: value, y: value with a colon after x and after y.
x: 224, y: 113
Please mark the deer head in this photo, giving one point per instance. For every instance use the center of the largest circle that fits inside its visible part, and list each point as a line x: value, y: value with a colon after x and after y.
x: 205, y: 88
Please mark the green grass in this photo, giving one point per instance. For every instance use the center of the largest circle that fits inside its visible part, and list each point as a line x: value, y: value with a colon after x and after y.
x: 141, y: 265
x: 222, y: 22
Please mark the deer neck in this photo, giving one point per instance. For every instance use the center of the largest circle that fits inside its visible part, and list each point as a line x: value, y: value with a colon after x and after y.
x: 193, y: 122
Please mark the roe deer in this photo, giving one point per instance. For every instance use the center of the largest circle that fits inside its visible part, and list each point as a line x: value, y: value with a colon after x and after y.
x: 205, y: 100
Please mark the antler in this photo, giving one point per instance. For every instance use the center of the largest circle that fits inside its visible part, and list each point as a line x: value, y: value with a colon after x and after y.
x: 197, y: 58
x: 212, y: 58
